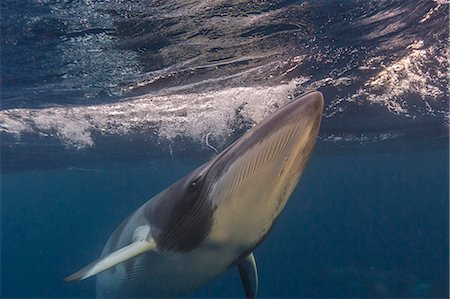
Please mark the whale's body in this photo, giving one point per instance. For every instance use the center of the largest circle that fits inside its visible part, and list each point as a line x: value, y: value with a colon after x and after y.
x: 213, y: 218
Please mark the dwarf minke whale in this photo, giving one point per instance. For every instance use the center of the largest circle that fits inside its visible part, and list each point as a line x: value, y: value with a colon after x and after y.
x: 213, y: 218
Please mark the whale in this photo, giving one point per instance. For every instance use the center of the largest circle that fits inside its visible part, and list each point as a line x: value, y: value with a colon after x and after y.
x: 212, y: 219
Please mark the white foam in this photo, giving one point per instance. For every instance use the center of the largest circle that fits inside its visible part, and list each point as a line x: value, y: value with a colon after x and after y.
x: 192, y: 115
x: 406, y: 75
x: 420, y: 72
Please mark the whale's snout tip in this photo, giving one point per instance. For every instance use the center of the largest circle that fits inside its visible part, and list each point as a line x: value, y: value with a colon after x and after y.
x: 315, y: 101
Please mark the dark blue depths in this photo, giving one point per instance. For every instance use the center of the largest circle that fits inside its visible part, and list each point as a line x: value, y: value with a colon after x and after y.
x: 367, y: 225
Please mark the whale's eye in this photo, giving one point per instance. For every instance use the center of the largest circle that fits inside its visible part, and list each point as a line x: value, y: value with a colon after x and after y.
x: 196, y: 181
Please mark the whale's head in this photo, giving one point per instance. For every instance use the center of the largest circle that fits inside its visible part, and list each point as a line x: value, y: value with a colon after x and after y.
x: 251, y: 181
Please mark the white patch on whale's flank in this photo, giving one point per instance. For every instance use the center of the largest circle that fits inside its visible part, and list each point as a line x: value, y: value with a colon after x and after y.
x: 141, y: 233
x: 191, y: 115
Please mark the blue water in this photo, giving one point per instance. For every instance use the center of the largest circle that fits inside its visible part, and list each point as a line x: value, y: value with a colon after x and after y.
x: 357, y: 226
x: 104, y: 104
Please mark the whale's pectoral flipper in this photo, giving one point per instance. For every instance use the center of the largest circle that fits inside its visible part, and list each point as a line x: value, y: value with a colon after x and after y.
x: 249, y: 275
x: 139, y: 245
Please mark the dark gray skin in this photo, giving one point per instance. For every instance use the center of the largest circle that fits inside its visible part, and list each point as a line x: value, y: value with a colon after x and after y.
x: 190, y: 222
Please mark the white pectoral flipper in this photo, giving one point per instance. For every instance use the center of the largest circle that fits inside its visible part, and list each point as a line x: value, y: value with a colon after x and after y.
x: 139, y: 245
x: 249, y: 275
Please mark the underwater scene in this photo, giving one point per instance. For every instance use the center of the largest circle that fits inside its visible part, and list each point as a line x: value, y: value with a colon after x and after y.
x: 105, y: 104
